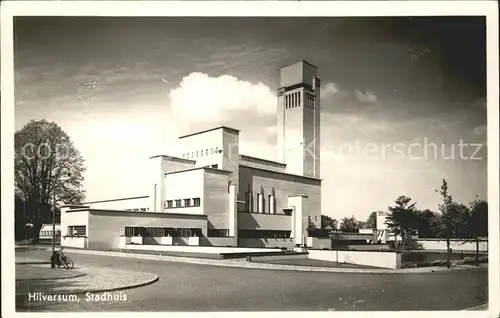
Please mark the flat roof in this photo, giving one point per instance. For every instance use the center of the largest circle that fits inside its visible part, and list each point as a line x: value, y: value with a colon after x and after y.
x: 174, y: 158
x: 297, y: 62
x: 121, y: 199
x: 264, y: 160
x: 282, y: 173
x: 198, y: 168
x: 210, y: 129
x: 149, y: 213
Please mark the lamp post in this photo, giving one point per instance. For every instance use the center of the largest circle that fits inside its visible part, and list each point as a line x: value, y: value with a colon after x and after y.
x: 54, y: 222
x: 52, y: 258
x: 336, y: 236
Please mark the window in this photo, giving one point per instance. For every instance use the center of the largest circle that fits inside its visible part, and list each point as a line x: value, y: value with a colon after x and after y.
x: 264, y: 234
x: 135, y: 209
x: 148, y: 231
x: 260, y: 207
x: 215, y: 166
x: 206, y: 152
x: 197, y: 153
x: 177, y: 203
x: 298, y: 98
x: 187, y: 232
x: 187, y: 202
x: 196, y: 202
x: 316, y: 218
x: 192, y: 154
x: 270, y: 204
x: 143, y: 209
x: 170, y: 204
x: 218, y: 233
x: 201, y: 153
x: 77, y: 230
x: 247, y: 202
x: 318, y: 232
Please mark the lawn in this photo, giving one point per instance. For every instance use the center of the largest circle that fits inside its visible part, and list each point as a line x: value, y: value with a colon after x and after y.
x: 422, y: 258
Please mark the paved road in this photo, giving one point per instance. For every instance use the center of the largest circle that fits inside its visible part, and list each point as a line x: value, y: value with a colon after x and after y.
x: 191, y: 287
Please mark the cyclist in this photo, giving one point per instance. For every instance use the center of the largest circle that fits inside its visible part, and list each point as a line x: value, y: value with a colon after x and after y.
x: 57, y: 258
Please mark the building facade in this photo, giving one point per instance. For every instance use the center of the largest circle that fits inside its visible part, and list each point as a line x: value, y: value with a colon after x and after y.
x: 210, y: 194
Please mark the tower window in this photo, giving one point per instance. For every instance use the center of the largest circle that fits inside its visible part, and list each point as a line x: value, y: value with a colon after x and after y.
x: 201, y: 153
x: 206, y: 152
x: 299, y: 98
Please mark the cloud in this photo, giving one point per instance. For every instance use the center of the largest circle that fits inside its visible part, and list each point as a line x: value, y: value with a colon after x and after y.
x: 366, y: 97
x: 201, y: 98
x: 329, y: 89
x: 480, y: 130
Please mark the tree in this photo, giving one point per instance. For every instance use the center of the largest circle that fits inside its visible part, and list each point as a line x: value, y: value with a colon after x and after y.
x: 47, y: 165
x: 402, y: 219
x: 349, y: 224
x: 477, y: 223
x: 328, y: 222
x: 426, y: 223
x: 451, y: 223
x: 371, y: 222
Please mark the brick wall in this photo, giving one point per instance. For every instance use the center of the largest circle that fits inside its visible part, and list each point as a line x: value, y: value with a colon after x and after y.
x: 269, y: 242
x: 216, y: 199
x: 283, y: 186
x: 185, y: 185
x: 258, y: 221
x: 107, y: 226
x: 122, y: 204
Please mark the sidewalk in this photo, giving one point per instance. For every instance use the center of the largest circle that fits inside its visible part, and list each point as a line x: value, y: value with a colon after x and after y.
x: 31, y: 273
x: 252, y: 265
x: 91, y: 279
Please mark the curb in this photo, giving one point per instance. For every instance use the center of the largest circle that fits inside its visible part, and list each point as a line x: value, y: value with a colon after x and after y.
x: 483, y: 307
x: 58, y: 278
x: 22, y: 299
x: 32, y: 263
x: 228, y: 263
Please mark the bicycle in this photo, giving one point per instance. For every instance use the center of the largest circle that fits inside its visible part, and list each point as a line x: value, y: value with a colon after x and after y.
x: 66, y: 261
x: 63, y: 260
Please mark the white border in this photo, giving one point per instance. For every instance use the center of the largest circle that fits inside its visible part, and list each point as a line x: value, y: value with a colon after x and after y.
x: 249, y: 8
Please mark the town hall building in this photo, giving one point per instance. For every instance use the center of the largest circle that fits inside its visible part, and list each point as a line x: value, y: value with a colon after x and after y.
x: 212, y: 195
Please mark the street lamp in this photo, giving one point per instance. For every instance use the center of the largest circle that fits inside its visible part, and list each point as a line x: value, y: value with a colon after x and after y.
x: 54, y: 223
x: 336, y: 236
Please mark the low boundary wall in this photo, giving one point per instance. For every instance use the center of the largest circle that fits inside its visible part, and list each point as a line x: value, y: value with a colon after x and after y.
x: 197, y: 249
x: 455, y: 245
x: 367, y: 258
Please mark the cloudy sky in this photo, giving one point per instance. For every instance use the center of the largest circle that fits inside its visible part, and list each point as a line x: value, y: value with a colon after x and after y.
x: 125, y: 88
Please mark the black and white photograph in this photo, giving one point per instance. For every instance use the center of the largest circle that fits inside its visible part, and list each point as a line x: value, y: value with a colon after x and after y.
x: 237, y: 161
